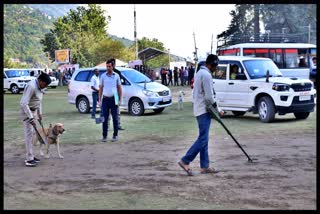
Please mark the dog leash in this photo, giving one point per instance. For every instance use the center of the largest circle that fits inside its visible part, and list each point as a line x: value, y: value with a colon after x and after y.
x: 47, y: 134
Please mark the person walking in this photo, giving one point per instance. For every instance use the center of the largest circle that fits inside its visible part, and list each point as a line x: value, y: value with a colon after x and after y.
x: 110, y: 94
x: 119, y: 73
x: 31, y: 109
x: 203, y: 92
x: 95, y: 91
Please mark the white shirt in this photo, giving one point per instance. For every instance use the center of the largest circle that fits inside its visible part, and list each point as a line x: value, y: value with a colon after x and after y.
x: 94, y: 82
x: 109, y: 83
x: 202, y: 91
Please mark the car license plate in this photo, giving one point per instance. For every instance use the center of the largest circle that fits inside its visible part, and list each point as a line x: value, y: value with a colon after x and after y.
x: 166, y: 99
x: 304, y: 97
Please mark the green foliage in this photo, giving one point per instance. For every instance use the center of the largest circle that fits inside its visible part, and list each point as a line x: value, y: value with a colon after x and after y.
x: 293, y: 17
x: 23, y: 29
x: 79, y: 31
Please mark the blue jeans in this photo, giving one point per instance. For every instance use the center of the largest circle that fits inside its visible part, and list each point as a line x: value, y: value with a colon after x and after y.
x: 95, y: 98
x: 107, y: 104
x: 201, y: 144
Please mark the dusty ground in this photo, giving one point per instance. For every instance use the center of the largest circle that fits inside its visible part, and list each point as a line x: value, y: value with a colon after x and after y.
x: 283, y: 177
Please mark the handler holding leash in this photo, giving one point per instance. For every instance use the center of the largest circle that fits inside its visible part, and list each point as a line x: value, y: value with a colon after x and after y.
x: 31, y: 102
x: 202, y: 92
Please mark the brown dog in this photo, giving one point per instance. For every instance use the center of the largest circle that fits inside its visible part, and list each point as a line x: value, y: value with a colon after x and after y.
x: 51, y: 136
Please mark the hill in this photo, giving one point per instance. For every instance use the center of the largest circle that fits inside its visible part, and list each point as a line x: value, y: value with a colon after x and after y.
x: 23, y: 29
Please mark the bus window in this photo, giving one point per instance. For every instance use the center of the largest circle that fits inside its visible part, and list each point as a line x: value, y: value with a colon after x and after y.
x: 290, y: 58
x: 262, y: 52
x: 303, y: 58
x: 277, y: 57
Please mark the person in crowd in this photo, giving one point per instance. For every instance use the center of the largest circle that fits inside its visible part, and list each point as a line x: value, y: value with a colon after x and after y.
x: 30, y: 110
x: 175, y: 76
x: 170, y: 77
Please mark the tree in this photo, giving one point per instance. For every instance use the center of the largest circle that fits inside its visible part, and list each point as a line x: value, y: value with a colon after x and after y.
x: 78, y: 31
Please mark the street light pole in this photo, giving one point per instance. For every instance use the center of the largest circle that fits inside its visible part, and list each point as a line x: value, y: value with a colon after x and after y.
x: 135, y: 31
x: 169, y: 57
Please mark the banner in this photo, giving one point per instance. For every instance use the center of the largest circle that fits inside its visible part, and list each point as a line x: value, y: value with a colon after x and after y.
x: 62, y: 56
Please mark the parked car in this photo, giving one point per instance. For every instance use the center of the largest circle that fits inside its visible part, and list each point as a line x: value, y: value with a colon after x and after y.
x: 36, y: 72
x: 139, y: 93
x: 15, y: 79
x: 259, y: 87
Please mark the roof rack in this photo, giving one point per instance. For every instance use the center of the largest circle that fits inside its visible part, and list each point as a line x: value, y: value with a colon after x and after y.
x: 262, y: 38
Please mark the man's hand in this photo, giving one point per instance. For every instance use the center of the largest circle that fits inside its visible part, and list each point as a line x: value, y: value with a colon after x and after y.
x: 32, y: 121
x: 40, y: 116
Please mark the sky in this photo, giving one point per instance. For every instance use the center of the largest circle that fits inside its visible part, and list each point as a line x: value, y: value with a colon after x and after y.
x: 172, y: 24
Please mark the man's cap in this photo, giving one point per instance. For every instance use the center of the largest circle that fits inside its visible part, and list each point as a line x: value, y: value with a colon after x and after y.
x: 212, y: 59
x: 45, y: 78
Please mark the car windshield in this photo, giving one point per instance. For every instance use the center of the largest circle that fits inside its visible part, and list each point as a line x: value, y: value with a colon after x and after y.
x: 17, y: 73
x: 258, y: 68
x: 135, y: 76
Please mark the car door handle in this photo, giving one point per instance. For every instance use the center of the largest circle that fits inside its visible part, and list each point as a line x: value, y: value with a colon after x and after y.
x: 212, y: 82
x: 231, y: 83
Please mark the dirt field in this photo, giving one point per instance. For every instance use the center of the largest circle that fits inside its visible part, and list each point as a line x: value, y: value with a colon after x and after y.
x: 144, y: 174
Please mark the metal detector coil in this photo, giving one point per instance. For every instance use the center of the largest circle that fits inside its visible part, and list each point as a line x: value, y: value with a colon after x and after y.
x: 216, y: 115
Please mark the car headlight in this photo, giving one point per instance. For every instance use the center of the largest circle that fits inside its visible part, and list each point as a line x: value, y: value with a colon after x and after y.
x: 149, y: 93
x: 280, y: 87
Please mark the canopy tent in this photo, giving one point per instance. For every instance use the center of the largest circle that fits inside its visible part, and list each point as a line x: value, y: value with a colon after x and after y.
x: 118, y: 63
x: 150, y: 53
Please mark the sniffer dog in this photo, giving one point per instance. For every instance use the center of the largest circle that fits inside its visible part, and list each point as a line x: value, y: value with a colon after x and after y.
x: 51, y: 136
x: 180, y: 100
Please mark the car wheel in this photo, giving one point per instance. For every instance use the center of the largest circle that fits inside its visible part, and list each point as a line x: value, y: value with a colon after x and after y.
x: 301, y: 115
x: 83, y: 105
x: 53, y: 86
x: 14, y: 89
x: 266, y: 109
x: 136, y: 107
x: 159, y: 110
x: 238, y: 113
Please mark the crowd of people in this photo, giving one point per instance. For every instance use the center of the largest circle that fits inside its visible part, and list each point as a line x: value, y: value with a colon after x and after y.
x: 178, y: 77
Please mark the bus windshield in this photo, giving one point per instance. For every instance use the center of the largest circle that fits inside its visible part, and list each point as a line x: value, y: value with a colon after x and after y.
x: 258, y: 68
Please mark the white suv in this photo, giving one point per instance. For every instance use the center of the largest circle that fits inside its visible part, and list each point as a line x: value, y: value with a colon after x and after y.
x: 15, y: 80
x: 260, y: 88
x: 139, y: 93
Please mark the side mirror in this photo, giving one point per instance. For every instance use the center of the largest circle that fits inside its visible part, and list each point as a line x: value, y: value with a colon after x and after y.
x: 241, y: 76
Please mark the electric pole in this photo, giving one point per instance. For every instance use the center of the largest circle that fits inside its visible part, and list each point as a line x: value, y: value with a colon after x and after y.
x: 211, y: 43
x: 195, y: 48
x: 135, y: 31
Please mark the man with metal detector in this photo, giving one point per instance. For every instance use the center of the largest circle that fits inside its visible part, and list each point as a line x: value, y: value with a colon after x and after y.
x: 203, y: 92
x: 31, y: 108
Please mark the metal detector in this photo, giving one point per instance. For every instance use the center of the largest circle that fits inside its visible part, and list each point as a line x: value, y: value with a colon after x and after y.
x: 215, y: 115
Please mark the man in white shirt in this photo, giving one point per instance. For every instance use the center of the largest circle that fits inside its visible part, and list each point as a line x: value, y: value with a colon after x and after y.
x: 110, y: 94
x: 95, y: 90
x: 30, y: 104
x: 203, y: 92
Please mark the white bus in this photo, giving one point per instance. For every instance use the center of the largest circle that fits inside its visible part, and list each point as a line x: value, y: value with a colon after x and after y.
x: 293, y: 59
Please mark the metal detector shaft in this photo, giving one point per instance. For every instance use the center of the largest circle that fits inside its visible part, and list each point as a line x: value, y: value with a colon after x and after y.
x: 215, y: 115
x: 41, y: 125
x: 38, y: 135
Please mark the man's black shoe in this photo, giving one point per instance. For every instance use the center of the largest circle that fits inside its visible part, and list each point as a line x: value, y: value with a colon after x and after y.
x: 30, y: 163
x: 120, y: 128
